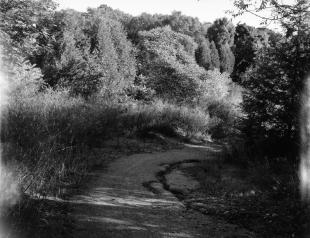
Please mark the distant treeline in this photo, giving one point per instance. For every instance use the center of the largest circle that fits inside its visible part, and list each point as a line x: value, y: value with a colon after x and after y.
x: 70, y: 46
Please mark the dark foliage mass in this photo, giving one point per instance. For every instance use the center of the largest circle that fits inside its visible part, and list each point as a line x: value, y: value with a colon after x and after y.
x: 274, y: 82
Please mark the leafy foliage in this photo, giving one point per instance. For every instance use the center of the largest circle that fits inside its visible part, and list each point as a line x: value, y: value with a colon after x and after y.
x: 25, y: 80
x: 167, y: 60
x: 96, y: 55
x: 221, y: 98
x: 227, y: 58
x: 245, y: 50
x: 215, y: 59
x: 274, y: 89
x: 203, y: 54
x: 222, y: 34
x: 31, y: 26
x: 274, y: 83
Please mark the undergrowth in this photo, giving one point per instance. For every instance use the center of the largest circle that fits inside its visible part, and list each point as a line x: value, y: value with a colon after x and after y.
x: 255, y: 197
x: 48, y: 137
x: 259, y: 192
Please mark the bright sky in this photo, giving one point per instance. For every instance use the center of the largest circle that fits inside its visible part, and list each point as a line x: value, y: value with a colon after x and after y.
x: 205, y: 10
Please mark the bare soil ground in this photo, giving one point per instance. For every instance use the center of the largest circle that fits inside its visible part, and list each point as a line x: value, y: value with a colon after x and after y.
x: 130, y: 199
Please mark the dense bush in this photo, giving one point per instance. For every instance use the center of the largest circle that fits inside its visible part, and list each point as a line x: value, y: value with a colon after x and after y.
x: 168, y: 118
x: 167, y: 59
x: 221, y: 98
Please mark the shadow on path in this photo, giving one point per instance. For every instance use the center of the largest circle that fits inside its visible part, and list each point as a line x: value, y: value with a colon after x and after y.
x: 127, y: 200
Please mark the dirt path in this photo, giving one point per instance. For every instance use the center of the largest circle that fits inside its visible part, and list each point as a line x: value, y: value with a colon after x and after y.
x: 128, y: 200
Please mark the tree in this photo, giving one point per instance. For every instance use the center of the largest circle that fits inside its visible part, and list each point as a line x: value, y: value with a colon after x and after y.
x: 29, y: 24
x: 273, y: 91
x: 274, y: 84
x: 25, y: 80
x: 108, y: 12
x: 24, y: 19
x: 215, y: 59
x: 76, y: 69
x: 183, y: 24
x: 278, y: 10
x: 167, y: 59
x: 203, y: 54
x: 116, y: 56
x: 144, y: 22
x: 177, y: 21
x: 245, y: 50
x: 222, y: 33
x: 227, y: 58
x: 96, y: 55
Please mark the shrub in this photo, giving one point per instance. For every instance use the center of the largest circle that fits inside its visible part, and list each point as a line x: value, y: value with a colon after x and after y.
x: 167, y: 118
x: 221, y: 98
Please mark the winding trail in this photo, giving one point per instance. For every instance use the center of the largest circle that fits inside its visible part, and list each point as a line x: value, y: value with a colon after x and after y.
x: 128, y: 200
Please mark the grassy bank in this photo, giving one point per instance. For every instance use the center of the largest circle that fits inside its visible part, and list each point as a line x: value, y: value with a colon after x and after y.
x: 258, y: 196
x: 49, y: 138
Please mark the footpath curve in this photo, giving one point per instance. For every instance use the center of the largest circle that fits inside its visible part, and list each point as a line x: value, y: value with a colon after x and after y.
x: 128, y: 200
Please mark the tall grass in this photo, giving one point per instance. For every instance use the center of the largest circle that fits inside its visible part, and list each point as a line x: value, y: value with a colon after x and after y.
x: 167, y: 118
x: 49, y: 136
